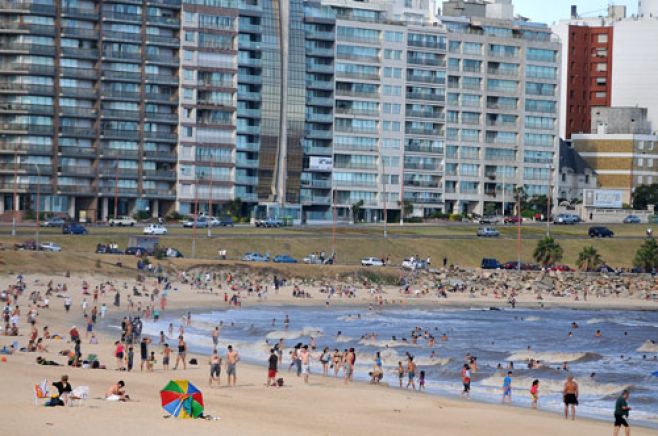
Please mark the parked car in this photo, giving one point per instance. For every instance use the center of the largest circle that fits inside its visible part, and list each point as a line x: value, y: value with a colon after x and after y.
x: 561, y: 268
x: 256, y: 257
x: 74, y: 229
x: 172, y: 252
x: 50, y: 246
x: 284, y: 258
x: 107, y: 249
x: 414, y: 264
x: 134, y: 251
x: 489, y: 263
x: 491, y: 219
x: 225, y: 222
x: 632, y: 219
x: 488, y: 232
x: 512, y: 219
x: 30, y: 244
x: 202, y: 222
x: 566, y: 218
x: 54, y: 221
x: 122, y: 221
x: 269, y: 223
x: 372, y: 261
x: 155, y: 229
x: 513, y: 264
x: 600, y: 232
x: 315, y: 259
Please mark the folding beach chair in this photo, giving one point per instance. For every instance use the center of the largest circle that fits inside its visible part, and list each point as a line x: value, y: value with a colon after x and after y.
x: 41, y: 391
x: 79, y: 395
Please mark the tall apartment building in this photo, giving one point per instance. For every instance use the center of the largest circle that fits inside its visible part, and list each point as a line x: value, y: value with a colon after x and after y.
x: 608, y: 61
x: 502, y: 108
x: 88, y: 93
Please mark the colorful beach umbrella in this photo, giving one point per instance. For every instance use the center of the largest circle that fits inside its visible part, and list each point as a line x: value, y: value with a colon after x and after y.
x: 182, y: 399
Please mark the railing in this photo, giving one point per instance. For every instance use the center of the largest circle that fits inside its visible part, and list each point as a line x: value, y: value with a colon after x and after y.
x: 161, y: 116
x: 80, y: 52
x: 316, y: 200
x: 251, y: 163
x: 25, y: 148
x: 421, y: 184
x: 120, y: 94
x: 161, y: 135
x: 158, y: 39
x: 426, y: 44
x: 353, y: 75
x: 124, y: 134
x: 162, y: 78
x: 78, y: 151
x: 426, y: 61
x: 168, y: 156
x: 355, y: 166
x: 115, y: 54
x: 122, y: 153
x: 111, y: 15
x: 420, y: 131
x: 116, y: 113
x: 32, y: 128
x: 425, y: 96
x: 78, y: 170
x: 425, y: 78
x: 360, y: 94
x: 162, y: 59
x: 422, y: 166
x: 123, y: 36
x: 159, y: 174
x: 78, y: 111
x: 31, y: 108
x: 319, y: 184
x: 79, y: 92
x: 168, y: 21
x: 80, y: 12
x: 85, y: 73
x: 320, y: 118
x: 319, y: 101
x: 425, y: 114
x: 423, y: 149
x: 246, y: 180
x: 89, y: 33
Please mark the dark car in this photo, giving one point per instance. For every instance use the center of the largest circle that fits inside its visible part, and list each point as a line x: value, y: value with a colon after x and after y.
x: 132, y: 251
x: 74, y: 229
x: 600, y: 232
x: 106, y: 249
x: 284, y: 258
x: 54, y: 222
x: 514, y: 265
x: 490, y: 264
x: 172, y: 252
x: 632, y: 219
x: 226, y: 222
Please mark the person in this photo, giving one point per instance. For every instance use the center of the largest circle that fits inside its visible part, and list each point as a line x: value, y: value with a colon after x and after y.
x: 324, y: 359
x: 272, y: 366
x: 215, y: 368
x: 466, y: 381
x: 118, y: 353
x: 144, y: 352
x: 349, y: 359
x: 215, y: 337
x: 534, y: 393
x: 400, y: 373
x: 182, y: 349
x: 150, y: 363
x: 305, y: 360
x: 130, y: 357
x: 64, y: 389
x: 232, y: 358
x: 507, y: 388
x: 570, y: 397
x: 621, y: 413
x: 411, y: 372
x: 421, y: 381
x: 166, y: 353
x: 117, y: 392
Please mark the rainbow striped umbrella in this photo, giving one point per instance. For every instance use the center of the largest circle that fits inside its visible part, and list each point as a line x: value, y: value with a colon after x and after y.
x: 182, y: 399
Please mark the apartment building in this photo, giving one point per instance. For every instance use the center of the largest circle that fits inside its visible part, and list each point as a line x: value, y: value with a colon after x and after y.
x: 502, y: 108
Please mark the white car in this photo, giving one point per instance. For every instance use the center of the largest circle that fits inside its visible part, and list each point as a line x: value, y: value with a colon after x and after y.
x: 371, y: 261
x: 155, y: 229
x: 122, y: 221
x: 415, y: 264
x: 50, y: 246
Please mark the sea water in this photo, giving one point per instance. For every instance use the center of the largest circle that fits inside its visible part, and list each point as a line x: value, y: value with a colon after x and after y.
x: 622, y: 358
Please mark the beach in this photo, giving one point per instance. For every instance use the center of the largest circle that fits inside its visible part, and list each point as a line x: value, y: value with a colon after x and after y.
x: 324, y: 406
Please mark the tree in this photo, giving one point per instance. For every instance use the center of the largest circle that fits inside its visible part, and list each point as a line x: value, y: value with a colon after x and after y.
x: 645, y: 195
x: 356, y: 211
x: 234, y: 207
x: 646, y: 256
x: 589, y: 259
x: 548, y: 251
x: 407, y: 208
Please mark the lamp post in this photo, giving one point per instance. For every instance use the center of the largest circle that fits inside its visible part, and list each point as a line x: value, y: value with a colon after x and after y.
x: 503, y: 194
x: 548, y: 203
x: 116, y: 189
x: 210, y: 200
x: 36, y: 235
x: 383, y: 178
x: 196, y: 212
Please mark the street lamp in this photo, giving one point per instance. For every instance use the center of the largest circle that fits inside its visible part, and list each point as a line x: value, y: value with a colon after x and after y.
x: 383, y: 179
x: 196, y: 212
x: 210, y: 198
x: 548, y: 202
x: 36, y: 236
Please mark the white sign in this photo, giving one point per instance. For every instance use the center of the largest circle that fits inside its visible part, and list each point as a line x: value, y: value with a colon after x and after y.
x: 322, y: 163
x: 604, y: 198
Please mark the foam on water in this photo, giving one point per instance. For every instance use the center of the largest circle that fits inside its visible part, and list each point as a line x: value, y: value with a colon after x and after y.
x: 552, y: 356
x: 586, y: 387
x: 648, y: 347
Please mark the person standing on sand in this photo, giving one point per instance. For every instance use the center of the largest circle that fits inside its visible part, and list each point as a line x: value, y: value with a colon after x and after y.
x: 401, y: 373
x: 411, y: 372
x: 507, y: 388
x: 349, y: 360
x: 215, y: 337
x: 534, y: 394
x: 272, y: 366
x: 215, y: 368
x: 305, y: 360
x: 232, y: 359
x: 621, y: 413
x: 336, y: 362
x: 570, y: 394
x: 466, y: 381
x: 166, y: 354
x: 182, y: 351
x: 118, y: 354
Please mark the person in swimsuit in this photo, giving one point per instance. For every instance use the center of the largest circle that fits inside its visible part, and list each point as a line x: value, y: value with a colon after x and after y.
x: 534, y: 394
x: 232, y: 358
x: 411, y: 372
x: 324, y: 360
x: 570, y: 396
x: 400, y: 373
x: 466, y: 381
x: 215, y: 368
x: 182, y: 351
x: 305, y: 360
x: 166, y: 352
x: 507, y: 388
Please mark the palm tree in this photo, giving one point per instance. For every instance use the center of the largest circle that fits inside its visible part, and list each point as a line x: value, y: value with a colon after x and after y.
x: 548, y: 251
x: 589, y: 259
x: 356, y: 211
x: 646, y: 256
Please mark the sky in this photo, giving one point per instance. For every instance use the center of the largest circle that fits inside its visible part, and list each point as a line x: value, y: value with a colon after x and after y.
x: 549, y: 11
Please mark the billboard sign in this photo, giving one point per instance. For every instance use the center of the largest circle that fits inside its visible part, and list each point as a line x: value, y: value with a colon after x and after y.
x: 604, y: 198
x: 321, y: 163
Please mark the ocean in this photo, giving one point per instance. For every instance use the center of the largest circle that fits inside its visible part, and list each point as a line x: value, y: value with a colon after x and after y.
x: 622, y: 358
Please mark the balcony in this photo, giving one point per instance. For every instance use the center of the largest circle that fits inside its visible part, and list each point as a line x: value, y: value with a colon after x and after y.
x: 124, y: 192
x: 176, y: 4
x: 422, y: 166
x: 249, y: 113
x: 25, y: 47
x: 320, y: 52
x: 84, y: 53
x: 25, y: 108
x: 120, y: 134
x: 319, y: 134
x: 120, y: 153
x: 248, y: 130
x: 160, y: 175
x: 316, y: 199
x: 356, y: 57
x: 76, y: 189
x: 434, y: 45
x: 422, y: 184
x: 123, y: 95
x: 164, y: 59
x: 167, y: 79
x: 426, y: 96
x: 159, y: 96
x: 84, y: 112
x: 417, y: 148
x: 43, y: 70
x: 161, y: 116
x: 317, y: 184
x: 69, y: 170
x: 82, y: 73
x: 161, y: 156
x: 249, y: 62
x: 422, y: 131
x: 324, y: 85
x: 79, y: 32
x: 248, y: 146
x: 121, y: 36
x: 18, y: 148
x: 163, y: 21
x: 121, y: 55
x: 430, y: 114
x: 426, y: 78
x: 77, y: 151
x: 132, y: 76
x: 250, y: 78
x: 313, y: 67
x: 27, y: 127
x: 246, y: 27
x: 75, y: 12
x: 80, y: 132
x: 356, y: 165
x: 357, y: 76
x: 319, y: 118
x: 120, y: 114
x: 120, y: 16
x: 357, y: 94
x: 246, y: 180
x: 319, y: 101
x: 432, y: 62
x: 25, y: 187
x: 162, y: 40
x: 246, y: 95
x: 131, y: 173
x: 248, y: 163
x: 356, y: 147
x: 162, y: 136
x: 323, y: 151
x: 79, y: 92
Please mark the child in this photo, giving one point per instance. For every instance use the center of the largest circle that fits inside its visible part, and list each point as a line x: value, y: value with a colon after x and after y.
x: 130, y: 357
x: 421, y: 381
x: 534, y: 393
x: 165, y: 356
x: 400, y: 372
x: 150, y: 362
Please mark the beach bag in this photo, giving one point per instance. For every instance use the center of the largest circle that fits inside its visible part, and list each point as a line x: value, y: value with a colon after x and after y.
x: 193, y: 362
x: 279, y: 382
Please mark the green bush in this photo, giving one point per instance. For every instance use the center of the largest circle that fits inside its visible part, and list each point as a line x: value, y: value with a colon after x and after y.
x: 175, y: 216
x: 142, y: 215
x: 455, y: 217
x: 414, y: 220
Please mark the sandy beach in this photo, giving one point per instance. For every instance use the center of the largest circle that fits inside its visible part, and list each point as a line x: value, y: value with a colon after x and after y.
x: 325, y: 406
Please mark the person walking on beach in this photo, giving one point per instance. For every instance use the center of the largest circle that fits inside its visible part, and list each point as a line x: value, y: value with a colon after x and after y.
x: 272, y: 366
x: 411, y: 372
x: 324, y: 360
x: 349, y: 359
x: 215, y: 337
x: 118, y: 354
x: 570, y: 394
x: 166, y: 354
x: 466, y: 381
x: 305, y: 361
x: 534, y: 394
x: 507, y: 388
x: 215, y: 368
x: 67, y: 304
x: 337, y: 360
x: 232, y: 359
x: 401, y: 373
x: 182, y: 351
x: 144, y: 352
x: 621, y: 413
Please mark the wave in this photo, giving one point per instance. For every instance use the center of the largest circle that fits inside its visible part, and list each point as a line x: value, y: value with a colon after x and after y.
x: 343, y: 339
x: 386, y: 343
x: 586, y: 387
x: 532, y: 318
x: 295, y: 334
x: 429, y: 361
x: 552, y: 357
x: 596, y: 321
x: 648, y: 347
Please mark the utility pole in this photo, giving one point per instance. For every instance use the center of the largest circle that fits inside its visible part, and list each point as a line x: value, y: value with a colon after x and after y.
x: 210, y: 198
x: 36, y: 236
x: 116, y: 189
x: 548, y: 204
x: 518, y: 229
x: 196, y: 211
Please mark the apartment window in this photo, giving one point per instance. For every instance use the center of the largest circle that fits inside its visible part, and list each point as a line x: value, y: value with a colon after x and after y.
x: 640, y: 180
x: 189, y: 17
x: 391, y: 126
x: 602, y: 39
x: 393, y: 91
x: 408, y: 4
x: 453, y: 64
x: 601, y: 67
x: 390, y: 108
x: 601, y: 81
x: 391, y: 36
x: 392, y: 54
x: 189, y: 131
x: 454, y: 46
x: 188, y: 55
x: 391, y: 143
x: 188, y: 93
x: 190, y: 36
x: 392, y: 72
x: 640, y: 162
x: 188, y: 74
x: 601, y: 94
x: 649, y: 163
